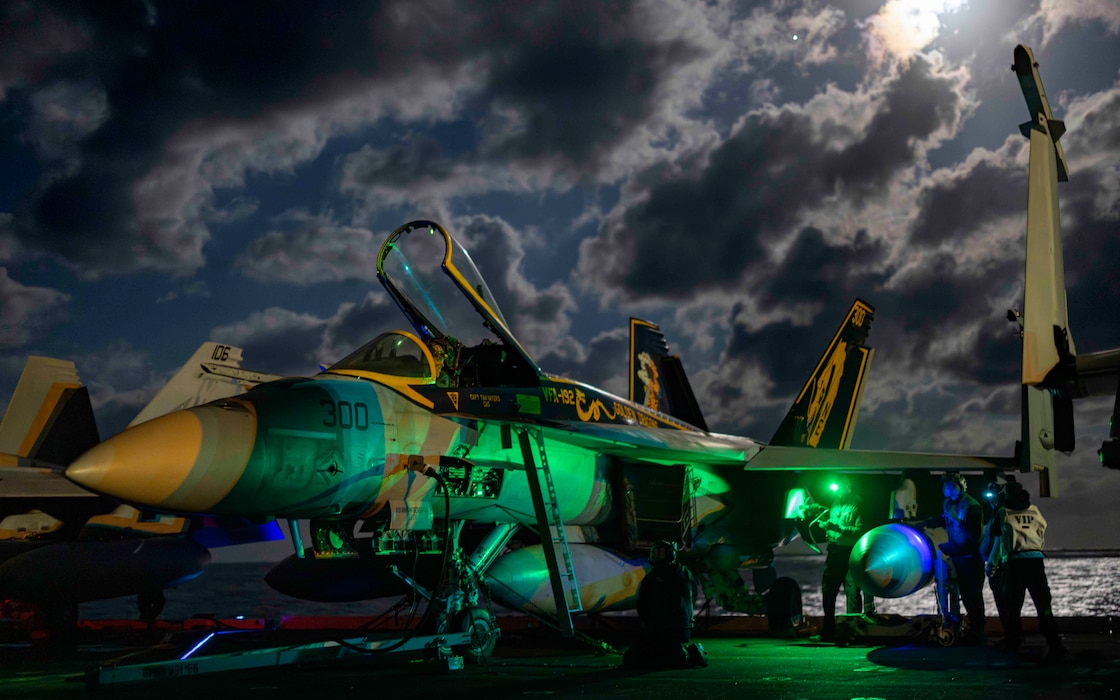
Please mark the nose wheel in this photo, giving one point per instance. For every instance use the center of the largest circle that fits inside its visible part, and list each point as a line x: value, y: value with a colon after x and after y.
x: 483, y: 629
x: 945, y: 636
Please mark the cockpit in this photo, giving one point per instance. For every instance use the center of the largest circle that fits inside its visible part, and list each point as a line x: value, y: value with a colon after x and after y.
x: 396, y: 353
x: 461, y: 337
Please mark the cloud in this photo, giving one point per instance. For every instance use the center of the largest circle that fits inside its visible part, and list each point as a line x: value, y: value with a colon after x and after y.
x: 166, y: 123
x: 195, y: 289
x: 598, y: 364
x: 959, y: 202
x: 577, y: 89
x: 313, y: 250
x: 62, y: 114
x: 783, y: 32
x: 36, y: 37
x: 121, y: 381
x: 26, y: 313
x: 539, y: 318
x: 415, y: 175
x: 1055, y: 15
x: 286, y: 342
x: 276, y: 340
x: 706, y: 222
x: 902, y: 29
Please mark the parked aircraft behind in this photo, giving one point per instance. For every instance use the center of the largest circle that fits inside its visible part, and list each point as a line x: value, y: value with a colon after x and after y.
x: 60, y: 544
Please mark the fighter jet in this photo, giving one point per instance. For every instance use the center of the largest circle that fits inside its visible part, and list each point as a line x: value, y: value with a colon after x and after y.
x: 447, y: 438
x: 60, y: 544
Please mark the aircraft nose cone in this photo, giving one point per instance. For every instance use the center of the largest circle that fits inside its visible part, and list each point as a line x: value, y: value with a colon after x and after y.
x: 185, y: 461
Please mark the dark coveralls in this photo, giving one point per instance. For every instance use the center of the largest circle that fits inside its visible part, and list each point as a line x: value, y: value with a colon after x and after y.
x: 1026, y: 571
x: 666, y: 601
x: 994, y: 551
x: 963, y: 520
x: 842, y: 526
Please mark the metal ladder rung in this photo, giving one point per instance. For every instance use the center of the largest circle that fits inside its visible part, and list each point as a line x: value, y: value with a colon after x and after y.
x: 556, y: 529
x: 549, y: 518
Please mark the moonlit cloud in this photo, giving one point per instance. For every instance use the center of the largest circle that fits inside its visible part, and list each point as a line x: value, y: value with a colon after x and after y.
x: 1054, y: 15
x: 27, y: 312
x: 312, y: 251
x: 903, y: 28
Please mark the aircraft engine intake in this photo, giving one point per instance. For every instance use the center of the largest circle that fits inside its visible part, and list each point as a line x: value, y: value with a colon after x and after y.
x: 893, y: 561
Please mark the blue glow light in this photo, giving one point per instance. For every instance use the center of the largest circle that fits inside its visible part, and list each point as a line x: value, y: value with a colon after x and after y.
x: 196, y: 647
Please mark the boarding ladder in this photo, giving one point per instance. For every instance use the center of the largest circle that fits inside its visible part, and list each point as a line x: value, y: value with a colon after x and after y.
x: 565, y: 588
x: 690, y: 515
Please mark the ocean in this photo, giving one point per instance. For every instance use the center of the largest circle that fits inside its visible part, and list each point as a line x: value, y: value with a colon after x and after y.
x: 1082, y: 586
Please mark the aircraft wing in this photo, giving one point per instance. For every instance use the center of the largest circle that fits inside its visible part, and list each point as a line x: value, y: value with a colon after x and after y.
x: 655, y: 445
x: 32, y: 482
x: 811, y: 459
x: 681, y: 446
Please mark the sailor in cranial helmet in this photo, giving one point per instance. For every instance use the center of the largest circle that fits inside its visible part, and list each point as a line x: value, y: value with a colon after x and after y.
x: 666, y: 602
x: 842, y: 525
x: 963, y: 520
x: 1026, y: 571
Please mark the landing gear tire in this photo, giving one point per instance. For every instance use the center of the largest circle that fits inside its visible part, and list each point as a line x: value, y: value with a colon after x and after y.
x: 483, y: 630
x: 945, y: 636
x: 783, y: 607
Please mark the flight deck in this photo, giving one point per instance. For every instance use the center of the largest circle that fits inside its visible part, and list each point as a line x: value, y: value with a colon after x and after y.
x: 744, y: 662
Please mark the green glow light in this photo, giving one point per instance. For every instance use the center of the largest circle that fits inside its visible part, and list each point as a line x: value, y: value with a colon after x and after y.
x: 795, y: 498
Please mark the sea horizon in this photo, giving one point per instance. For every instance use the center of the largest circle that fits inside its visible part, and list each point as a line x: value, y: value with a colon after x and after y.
x: 1083, y: 584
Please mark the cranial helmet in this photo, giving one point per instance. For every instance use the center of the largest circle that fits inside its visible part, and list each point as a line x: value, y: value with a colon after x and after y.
x: 662, y: 552
x: 954, y: 478
x: 1018, y: 498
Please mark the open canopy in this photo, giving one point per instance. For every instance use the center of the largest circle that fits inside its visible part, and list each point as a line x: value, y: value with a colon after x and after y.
x: 437, y: 286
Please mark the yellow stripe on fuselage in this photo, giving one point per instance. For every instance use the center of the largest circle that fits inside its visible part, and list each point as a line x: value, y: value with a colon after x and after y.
x: 402, y: 385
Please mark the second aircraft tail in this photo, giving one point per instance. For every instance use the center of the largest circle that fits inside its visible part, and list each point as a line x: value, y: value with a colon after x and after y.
x: 824, y: 413
x: 49, y: 420
x: 657, y: 379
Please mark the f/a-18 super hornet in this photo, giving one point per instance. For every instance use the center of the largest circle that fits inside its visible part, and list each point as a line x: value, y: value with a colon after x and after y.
x: 444, y: 447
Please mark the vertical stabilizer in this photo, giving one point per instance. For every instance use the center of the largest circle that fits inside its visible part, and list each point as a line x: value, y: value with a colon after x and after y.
x: 49, y: 418
x: 194, y: 384
x: 1049, y: 356
x: 657, y: 379
x: 824, y: 414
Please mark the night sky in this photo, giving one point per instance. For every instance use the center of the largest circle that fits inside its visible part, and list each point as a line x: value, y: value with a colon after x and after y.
x: 736, y: 172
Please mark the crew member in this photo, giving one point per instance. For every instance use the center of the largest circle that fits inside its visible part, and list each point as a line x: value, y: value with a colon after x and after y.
x: 842, y: 524
x: 666, y: 602
x: 1026, y: 571
x: 993, y: 550
x: 963, y: 520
